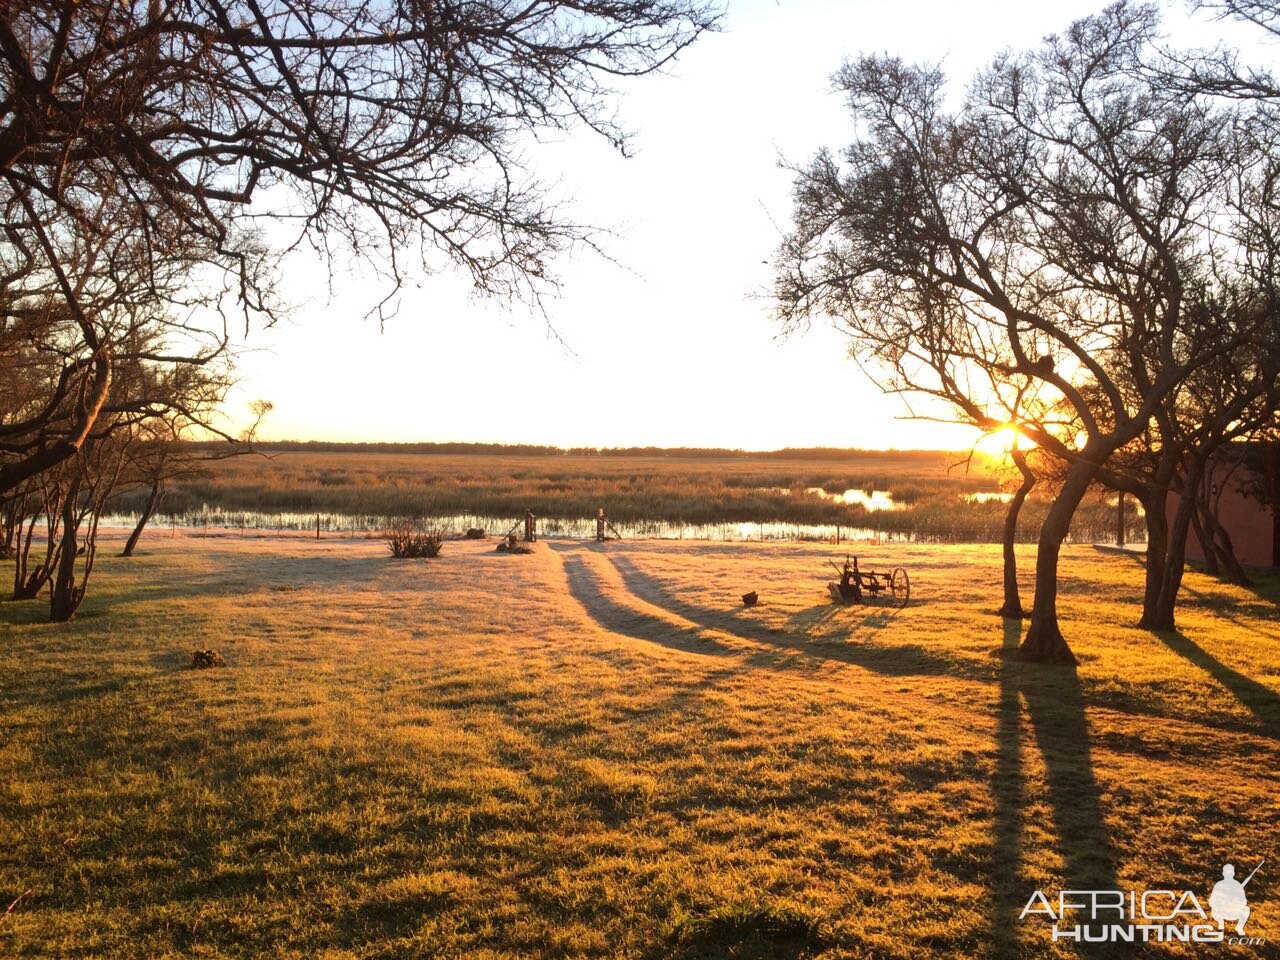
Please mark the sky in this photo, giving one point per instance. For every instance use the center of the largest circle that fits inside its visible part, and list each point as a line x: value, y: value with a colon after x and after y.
x: 669, y: 341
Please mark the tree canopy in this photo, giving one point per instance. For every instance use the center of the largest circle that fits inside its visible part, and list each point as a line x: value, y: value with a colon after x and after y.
x: 1068, y: 249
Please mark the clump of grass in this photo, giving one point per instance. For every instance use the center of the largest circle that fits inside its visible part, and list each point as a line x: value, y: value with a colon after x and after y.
x: 412, y: 538
x: 774, y: 932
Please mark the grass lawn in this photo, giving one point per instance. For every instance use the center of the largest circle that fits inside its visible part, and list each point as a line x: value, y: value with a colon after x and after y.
x: 598, y: 752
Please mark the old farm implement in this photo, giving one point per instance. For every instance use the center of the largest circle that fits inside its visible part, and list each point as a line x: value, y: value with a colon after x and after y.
x: 861, y: 586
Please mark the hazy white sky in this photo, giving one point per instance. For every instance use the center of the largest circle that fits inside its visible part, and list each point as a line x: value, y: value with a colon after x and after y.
x: 670, y: 346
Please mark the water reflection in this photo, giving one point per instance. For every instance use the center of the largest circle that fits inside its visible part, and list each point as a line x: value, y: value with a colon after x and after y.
x: 558, y: 528
x: 871, y: 499
x: 922, y: 526
x: 986, y: 497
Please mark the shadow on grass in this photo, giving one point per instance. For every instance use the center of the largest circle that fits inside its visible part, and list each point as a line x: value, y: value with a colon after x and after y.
x: 24, y: 613
x: 1260, y: 700
x: 813, y: 619
x: 617, y: 618
x: 895, y: 660
x: 768, y: 933
x: 1244, y: 613
x: 229, y: 837
x: 1056, y: 710
x: 251, y: 573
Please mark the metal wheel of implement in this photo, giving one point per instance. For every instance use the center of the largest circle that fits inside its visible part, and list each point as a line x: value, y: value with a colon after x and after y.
x: 900, y: 584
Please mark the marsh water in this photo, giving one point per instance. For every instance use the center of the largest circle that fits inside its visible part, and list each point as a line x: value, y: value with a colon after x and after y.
x: 555, y: 528
x: 1086, y: 528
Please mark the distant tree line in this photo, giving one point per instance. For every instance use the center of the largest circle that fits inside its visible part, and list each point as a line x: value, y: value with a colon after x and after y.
x: 836, y: 454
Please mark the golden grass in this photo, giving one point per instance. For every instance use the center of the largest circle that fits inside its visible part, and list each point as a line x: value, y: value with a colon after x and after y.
x: 692, y: 489
x: 596, y: 751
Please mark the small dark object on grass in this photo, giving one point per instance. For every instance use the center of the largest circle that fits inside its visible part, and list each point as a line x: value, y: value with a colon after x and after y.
x: 203, y: 659
x: 511, y: 545
x: 750, y: 599
x: 475, y: 533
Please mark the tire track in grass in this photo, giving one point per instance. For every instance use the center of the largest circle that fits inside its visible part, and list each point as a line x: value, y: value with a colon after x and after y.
x: 630, y: 620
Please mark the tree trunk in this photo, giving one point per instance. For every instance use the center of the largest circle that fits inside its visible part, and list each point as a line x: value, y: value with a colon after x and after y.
x: 1200, y: 526
x: 29, y: 587
x: 1224, y: 549
x: 1044, y: 642
x: 65, y: 597
x: 12, y: 533
x: 28, y: 582
x: 1175, y: 560
x: 1156, y: 507
x: 153, y: 500
x: 1012, y: 600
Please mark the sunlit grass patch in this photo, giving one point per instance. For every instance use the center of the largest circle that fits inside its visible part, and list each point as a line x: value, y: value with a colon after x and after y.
x: 485, y: 759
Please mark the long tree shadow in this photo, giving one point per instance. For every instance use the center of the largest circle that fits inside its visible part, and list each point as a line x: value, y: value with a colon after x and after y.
x: 1263, y: 585
x: 617, y: 618
x: 890, y: 659
x: 820, y: 620
x: 1056, y: 709
x: 1260, y: 700
x: 1007, y: 892
x: 1242, y: 612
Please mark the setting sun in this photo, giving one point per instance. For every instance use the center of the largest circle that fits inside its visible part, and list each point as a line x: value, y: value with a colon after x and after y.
x: 999, y: 442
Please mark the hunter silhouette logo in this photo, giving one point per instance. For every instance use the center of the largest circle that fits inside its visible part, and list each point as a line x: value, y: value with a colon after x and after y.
x: 1149, y: 916
x: 1228, y: 901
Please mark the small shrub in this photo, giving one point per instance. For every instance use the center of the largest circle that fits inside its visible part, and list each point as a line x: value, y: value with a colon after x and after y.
x: 203, y: 659
x: 413, y: 537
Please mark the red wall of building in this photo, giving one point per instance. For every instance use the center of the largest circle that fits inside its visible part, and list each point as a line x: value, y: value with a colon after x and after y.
x: 1251, y: 525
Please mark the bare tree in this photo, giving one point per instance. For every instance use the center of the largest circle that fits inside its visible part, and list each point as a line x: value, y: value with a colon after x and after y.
x: 155, y: 460
x: 92, y: 477
x: 1220, y: 71
x: 87, y: 296
x: 37, y: 506
x: 1055, y: 229
x: 142, y: 143
x: 150, y: 388
x: 162, y: 452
